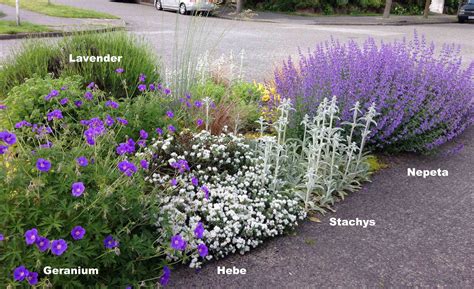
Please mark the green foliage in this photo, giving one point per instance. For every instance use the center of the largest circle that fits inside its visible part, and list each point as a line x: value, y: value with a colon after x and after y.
x: 39, y: 57
x: 10, y: 27
x: 112, y: 204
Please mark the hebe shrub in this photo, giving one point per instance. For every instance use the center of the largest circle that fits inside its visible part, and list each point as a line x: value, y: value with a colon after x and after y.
x: 423, y: 99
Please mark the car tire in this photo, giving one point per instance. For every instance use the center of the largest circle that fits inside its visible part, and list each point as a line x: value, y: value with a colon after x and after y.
x: 158, y: 5
x: 460, y: 20
x: 182, y: 9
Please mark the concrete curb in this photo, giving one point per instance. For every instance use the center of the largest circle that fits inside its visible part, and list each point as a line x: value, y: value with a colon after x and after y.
x: 60, y: 33
x: 381, y: 23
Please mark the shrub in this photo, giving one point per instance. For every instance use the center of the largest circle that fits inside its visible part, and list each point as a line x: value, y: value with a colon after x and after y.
x: 217, y: 182
x: 40, y: 58
x: 69, y: 169
x: 423, y: 100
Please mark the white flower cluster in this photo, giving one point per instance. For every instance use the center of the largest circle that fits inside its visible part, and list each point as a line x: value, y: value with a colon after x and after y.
x: 240, y: 210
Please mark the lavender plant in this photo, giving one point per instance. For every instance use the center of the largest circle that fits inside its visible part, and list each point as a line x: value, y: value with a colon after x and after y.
x: 424, y: 99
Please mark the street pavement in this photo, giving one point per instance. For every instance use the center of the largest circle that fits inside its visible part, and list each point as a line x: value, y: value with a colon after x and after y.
x: 424, y: 228
x: 265, y: 45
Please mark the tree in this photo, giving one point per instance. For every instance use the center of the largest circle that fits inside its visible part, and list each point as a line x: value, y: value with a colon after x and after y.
x: 17, y: 8
x: 240, y: 6
x: 427, y: 8
x: 388, y: 7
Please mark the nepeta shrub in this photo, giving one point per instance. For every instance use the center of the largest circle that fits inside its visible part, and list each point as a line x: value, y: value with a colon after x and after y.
x: 216, y: 196
x: 424, y: 99
x: 72, y: 194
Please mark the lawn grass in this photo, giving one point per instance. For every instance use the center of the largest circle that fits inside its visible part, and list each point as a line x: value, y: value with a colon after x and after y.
x: 57, y: 10
x: 10, y: 27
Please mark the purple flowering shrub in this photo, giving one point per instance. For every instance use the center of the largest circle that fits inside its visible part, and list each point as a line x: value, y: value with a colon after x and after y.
x: 424, y: 99
x: 72, y: 192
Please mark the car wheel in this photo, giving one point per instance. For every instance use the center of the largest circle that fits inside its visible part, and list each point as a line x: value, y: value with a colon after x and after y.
x: 158, y: 5
x: 182, y: 9
x: 460, y: 20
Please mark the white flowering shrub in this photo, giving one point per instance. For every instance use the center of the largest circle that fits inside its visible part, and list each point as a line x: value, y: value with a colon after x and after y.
x: 217, y: 182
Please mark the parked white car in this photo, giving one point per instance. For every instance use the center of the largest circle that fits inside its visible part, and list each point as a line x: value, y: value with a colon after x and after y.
x: 186, y: 6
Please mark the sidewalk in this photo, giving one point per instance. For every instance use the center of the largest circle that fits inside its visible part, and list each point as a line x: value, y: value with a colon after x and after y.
x: 60, y: 25
x: 339, y: 20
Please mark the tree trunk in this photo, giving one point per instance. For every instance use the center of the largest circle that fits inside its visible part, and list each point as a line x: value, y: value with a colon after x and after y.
x: 427, y: 8
x: 240, y: 6
x: 388, y: 7
x: 17, y: 8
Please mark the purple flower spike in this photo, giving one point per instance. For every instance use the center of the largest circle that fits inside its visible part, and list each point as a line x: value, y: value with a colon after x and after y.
x: 119, y: 70
x: 43, y: 165
x: 77, y: 189
x: 199, y: 230
x: 31, y: 236
x: 58, y: 247
x: 20, y: 273
x: 78, y: 232
x: 110, y: 242
x: 42, y: 243
x: 166, y: 276
x: 178, y: 243
x: 202, y: 250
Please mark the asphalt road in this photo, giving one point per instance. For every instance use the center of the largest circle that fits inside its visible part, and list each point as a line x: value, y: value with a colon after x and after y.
x: 265, y: 45
x: 424, y: 227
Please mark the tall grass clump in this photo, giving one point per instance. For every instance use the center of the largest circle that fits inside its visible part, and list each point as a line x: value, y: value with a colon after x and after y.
x: 39, y: 57
x: 424, y: 98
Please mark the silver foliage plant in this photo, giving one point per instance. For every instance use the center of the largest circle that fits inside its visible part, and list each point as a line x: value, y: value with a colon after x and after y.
x: 327, y: 163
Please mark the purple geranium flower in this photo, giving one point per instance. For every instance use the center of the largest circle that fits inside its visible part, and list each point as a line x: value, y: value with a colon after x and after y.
x: 170, y: 114
x: 78, y: 232
x: 159, y: 131
x: 82, y: 161
x: 174, y: 182
x: 119, y: 70
x: 143, y: 134
x: 22, y: 124
x: 64, y: 101
x: 166, y: 276
x: 111, y: 104
x: 3, y: 149
x: 58, y: 247
x: 77, y: 189
x: 202, y: 249
x: 206, y: 191
x: 181, y: 166
x: 20, y: 273
x: 8, y: 137
x: 32, y: 278
x: 142, y: 87
x: 43, y: 165
x: 88, y: 95
x: 110, y: 242
x: 198, y: 103
x: 127, y: 168
x: 144, y: 164
x: 199, y: 122
x: 109, y: 121
x: 195, y: 181
x: 167, y: 91
x: 78, y: 103
x: 151, y: 87
x: 2, y: 237
x: 122, y: 121
x: 142, y: 77
x: 3, y: 107
x: 199, y: 230
x: 178, y: 243
x: 171, y: 128
x: 91, y: 85
x: 31, y: 236
x: 42, y: 243
x: 55, y: 114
